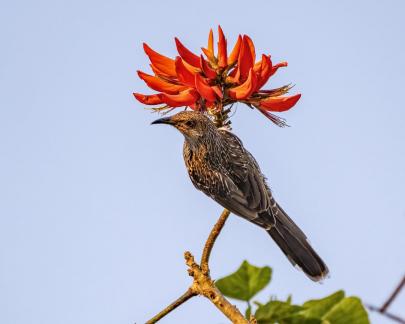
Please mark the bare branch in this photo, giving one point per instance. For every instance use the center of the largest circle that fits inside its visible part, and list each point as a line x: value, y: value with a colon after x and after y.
x: 393, y: 295
x: 209, y: 244
x: 383, y: 309
x: 203, y: 284
x: 182, y: 299
x: 393, y: 317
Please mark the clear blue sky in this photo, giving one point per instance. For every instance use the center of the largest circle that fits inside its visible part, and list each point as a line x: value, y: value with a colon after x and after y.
x: 96, y: 208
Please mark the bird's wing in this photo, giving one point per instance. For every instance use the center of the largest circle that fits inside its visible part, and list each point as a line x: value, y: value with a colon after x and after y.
x: 245, y: 190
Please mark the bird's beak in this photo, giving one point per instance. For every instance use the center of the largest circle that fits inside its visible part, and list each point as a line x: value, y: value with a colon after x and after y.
x: 165, y: 120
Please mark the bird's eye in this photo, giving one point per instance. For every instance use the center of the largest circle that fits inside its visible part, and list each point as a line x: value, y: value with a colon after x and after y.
x: 190, y: 123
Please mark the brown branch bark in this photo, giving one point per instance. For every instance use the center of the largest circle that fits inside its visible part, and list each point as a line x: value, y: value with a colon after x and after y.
x: 383, y: 309
x: 393, y: 294
x: 182, y: 299
x: 209, y: 244
x: 202, y: 284
x: 393, y: 317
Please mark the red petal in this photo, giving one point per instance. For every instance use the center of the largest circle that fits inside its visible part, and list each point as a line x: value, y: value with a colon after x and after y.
x: 265, y: 71
x: 251, y: 47
x: 235, y: 52
x: 234, y: 76
x: 191, y: 67
x: 210, y: 105
x: 204, y: 89
x: 278, y: 65
x: 193, y: 106
x: 186, y: 54
x: 233, y: 72
x: 185, y: 98
x: 218, y: 91
x: 161, y: 62
x: 245, y: 89
x: 158, y: 72
x: 222, y: 51
x: 245, y: 60
x: 258, y: 66
x: 208, y: 71
x: 279, y: 103
x: 184, y: 75
x: 208, y: 54
x: 155, y: 99
x: 211, y: 42
x: 160, y: 85
x: 209, y: 51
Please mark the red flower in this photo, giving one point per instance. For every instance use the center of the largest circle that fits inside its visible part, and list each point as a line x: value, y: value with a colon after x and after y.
x: 216, y: 81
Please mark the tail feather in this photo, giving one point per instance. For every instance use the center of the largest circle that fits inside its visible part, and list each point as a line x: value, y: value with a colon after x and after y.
x: 293, y: 242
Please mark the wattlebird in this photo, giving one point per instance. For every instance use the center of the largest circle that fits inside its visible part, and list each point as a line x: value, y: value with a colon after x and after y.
x: 223, y: 169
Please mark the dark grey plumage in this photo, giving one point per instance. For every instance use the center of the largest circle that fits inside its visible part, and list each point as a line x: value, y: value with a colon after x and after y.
x: 223, y: 169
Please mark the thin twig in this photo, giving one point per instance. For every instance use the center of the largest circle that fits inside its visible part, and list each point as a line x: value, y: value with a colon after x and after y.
x: 383, y: 309
x: 393, y: 295
x: 182, y: 299
x: 386, y: 314
x: 209, y: 244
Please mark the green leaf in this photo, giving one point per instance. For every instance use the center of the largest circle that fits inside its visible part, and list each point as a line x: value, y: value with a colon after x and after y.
x: 276, y: 311
x: 349, y: 310
x: 297, y: 319
x: 246, y: 282
x: 335, y: 309
x: 316, y: 308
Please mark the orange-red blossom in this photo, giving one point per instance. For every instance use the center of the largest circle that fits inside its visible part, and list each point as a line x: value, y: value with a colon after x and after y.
x: 215, y: 81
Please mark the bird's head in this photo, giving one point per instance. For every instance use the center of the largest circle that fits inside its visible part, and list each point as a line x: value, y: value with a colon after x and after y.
x: 193, y: 125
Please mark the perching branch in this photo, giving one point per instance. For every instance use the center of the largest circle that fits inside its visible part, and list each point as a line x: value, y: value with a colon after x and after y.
x: 383, y: 309
x: 209, y: 244
x: 203, y: 284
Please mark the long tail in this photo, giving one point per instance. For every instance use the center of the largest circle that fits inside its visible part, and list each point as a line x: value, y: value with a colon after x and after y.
x: 296, y: 247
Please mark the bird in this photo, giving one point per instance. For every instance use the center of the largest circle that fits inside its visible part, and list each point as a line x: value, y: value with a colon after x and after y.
x: 221, y: 167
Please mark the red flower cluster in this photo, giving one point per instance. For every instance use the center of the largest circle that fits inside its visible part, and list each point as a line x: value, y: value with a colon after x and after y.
x: 215, y: 81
